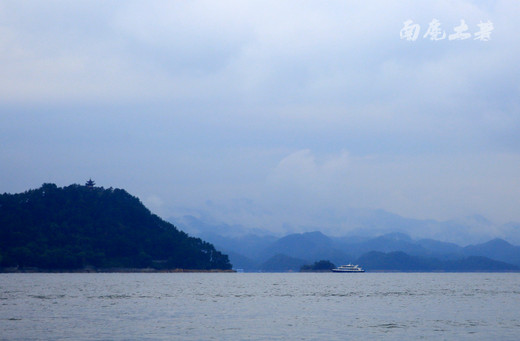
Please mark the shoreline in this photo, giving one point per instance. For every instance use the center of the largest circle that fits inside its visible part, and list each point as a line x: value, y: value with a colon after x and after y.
x: 150, y: 270
x: 111, y: 270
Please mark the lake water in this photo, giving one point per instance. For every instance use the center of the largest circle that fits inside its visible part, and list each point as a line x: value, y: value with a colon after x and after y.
x: 246, y: 306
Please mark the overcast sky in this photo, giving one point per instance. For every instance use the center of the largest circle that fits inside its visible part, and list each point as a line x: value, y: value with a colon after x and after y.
x: 266, y: 113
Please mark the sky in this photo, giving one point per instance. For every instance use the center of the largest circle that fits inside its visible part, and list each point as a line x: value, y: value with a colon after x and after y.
x: 269, y: 114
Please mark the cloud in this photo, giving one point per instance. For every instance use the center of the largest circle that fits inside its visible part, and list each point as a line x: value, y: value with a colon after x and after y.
x: 300, y: 174
x: 300, y: 107
x: 154, y: 203
x: 323, y: 193
x: 341, y: 53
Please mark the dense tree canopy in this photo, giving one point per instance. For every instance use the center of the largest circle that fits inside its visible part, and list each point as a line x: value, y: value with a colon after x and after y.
x: 322, y: 265
x: 78, y: 226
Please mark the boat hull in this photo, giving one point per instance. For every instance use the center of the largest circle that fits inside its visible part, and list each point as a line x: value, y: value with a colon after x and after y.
x: 348, y: 268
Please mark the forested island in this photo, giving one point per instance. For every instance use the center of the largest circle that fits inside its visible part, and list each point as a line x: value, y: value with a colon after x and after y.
x: 319, y: 266
x: 92, y: 228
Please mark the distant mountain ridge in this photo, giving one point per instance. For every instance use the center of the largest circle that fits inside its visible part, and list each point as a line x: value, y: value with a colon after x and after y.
x: 366, y: 223
x: 309, y: 245
x: 400, y: 261
x: 252, y: 252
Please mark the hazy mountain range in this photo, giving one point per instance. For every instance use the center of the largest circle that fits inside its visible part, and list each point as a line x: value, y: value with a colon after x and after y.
x: 463, y: 231
x: 376, y: 248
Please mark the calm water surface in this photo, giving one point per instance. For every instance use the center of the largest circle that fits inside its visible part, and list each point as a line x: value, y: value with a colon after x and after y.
x: 259, y: 306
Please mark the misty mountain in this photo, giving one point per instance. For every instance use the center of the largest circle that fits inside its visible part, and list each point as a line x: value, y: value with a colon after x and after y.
x: 310, y: 246
x: 441, y: 249
x: 463, y: 231
x: 400, y: 261
x: 364, y: 223
x: 240, y: 261
x: 385, y: 243
x: 233, y: 239
x: 250, y: 246
x: 282, y: 263
x: 207, y: 226
x: 495, y: 249
x: 249, y: 251
x: 510, y: 232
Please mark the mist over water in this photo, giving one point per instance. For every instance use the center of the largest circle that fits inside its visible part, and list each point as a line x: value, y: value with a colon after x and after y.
x: 259, y: 306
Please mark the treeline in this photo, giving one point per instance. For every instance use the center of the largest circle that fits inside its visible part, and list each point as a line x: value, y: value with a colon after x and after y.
x: 85, y: 226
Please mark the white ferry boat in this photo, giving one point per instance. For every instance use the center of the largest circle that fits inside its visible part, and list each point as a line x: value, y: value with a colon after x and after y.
x: 348, y: 268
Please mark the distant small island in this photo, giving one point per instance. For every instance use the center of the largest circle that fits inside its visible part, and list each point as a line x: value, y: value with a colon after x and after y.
x: 89, y: 228
x: 319, y: 266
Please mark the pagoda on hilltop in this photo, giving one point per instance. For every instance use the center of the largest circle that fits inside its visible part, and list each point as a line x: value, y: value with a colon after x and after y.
x: 90, y: 183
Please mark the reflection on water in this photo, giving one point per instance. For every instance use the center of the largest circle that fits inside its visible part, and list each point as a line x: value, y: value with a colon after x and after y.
x: 205, y: 306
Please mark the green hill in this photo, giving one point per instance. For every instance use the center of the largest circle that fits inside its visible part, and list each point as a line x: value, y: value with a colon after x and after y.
x: 78, y: 226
